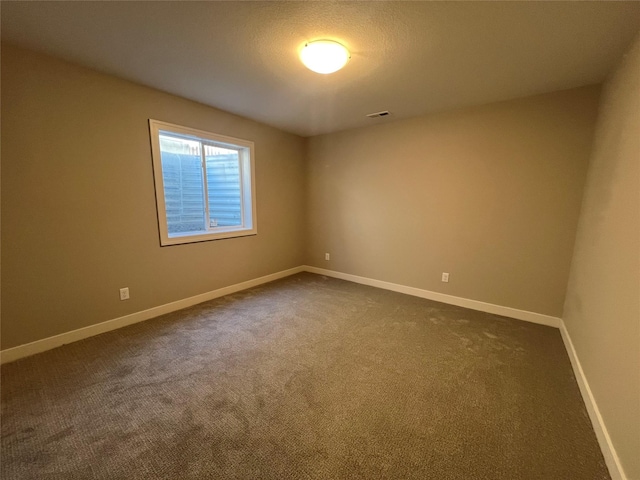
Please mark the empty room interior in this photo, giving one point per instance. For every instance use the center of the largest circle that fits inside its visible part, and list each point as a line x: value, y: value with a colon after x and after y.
x: 320, y: 240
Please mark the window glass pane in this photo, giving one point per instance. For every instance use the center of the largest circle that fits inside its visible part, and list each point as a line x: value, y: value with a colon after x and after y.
x: 183, y: 185
x: 223, y: 186
x: 203, y: 184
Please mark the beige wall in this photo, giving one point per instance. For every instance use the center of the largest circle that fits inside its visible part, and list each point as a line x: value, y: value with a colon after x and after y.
x: 78, y: 206
x: 602, y: 309
x: 489, y: 194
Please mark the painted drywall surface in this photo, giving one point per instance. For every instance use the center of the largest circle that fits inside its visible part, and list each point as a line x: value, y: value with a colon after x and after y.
x: 78, y: 201
x: 602, y: 309
x: 490, y: 195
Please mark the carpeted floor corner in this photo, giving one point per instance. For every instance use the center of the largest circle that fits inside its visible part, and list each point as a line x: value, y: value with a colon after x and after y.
x: 304, y: 378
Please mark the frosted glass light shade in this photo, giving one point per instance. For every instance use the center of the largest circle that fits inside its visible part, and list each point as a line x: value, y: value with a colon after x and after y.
x: 324, y: 56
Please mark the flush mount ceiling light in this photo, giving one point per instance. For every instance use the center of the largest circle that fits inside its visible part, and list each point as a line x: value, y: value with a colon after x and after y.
x: 324, y: 56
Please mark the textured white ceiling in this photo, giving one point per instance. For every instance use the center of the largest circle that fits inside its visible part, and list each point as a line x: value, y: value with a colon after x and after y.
x: 409, y: 58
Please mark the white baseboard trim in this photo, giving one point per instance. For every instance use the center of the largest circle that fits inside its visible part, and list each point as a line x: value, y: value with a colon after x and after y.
x: 444, y: 298
x: 28, y: 349
x: 608, y: 451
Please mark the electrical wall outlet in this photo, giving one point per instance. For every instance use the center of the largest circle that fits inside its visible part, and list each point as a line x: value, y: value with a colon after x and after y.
x: 445, y: 277
x: 327, y: 256
x: 124, y: 293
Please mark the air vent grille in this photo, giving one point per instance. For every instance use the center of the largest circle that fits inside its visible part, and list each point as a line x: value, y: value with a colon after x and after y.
x: 384, y: 113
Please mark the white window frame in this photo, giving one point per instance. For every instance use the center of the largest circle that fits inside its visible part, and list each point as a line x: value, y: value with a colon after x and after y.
x: 245, y: 151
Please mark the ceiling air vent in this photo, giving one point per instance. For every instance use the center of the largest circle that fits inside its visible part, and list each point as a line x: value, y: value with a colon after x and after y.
x: 379, y: 114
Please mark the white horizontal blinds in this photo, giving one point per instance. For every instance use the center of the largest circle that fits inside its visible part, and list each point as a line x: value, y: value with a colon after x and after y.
x: 183, y: 185
x: 224, y: 186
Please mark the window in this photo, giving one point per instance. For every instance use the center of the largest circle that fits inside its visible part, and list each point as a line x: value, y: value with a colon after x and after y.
x: 204, y: 184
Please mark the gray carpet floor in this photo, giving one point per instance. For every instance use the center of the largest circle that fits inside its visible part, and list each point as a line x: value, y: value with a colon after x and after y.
x: 304, y: 378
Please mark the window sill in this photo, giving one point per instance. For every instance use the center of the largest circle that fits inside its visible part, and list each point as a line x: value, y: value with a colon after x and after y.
x: 206, y: 237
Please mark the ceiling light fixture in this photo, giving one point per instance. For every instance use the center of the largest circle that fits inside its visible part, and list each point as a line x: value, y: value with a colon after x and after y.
x: 324, y: 56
